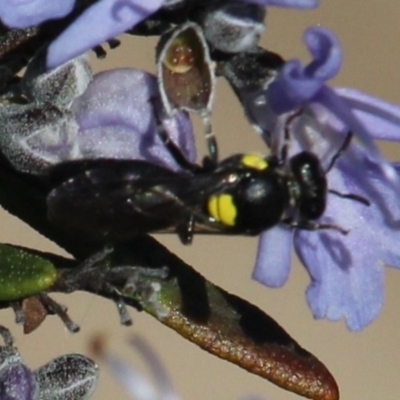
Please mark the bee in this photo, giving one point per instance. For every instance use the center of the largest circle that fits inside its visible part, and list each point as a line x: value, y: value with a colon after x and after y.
x: 244, y: 194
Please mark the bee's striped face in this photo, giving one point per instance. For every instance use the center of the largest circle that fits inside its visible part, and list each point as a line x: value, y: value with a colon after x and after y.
x: 255, y: 203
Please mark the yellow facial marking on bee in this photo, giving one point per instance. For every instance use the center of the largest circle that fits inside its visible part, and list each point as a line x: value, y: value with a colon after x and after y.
x: 254, y: 161
x: 222, y: 208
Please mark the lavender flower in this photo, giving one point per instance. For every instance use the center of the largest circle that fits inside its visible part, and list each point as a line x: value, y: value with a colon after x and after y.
x: 113, y: 115
x: 117, y: 118
x: 109, y: 18
x: 347, y: 271
x: 26, y: 13
x: 100, y: 22
x: 70, y: 377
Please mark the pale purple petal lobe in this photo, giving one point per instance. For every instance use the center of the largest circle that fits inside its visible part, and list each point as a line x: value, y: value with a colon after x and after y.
x: 25, y: 13
x: 380, y: 117
x: 116, y: 120
x: 104, y: 20
x: 273, y: 258
x: 344, y: 283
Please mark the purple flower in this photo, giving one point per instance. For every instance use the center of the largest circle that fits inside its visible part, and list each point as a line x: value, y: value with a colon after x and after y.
x: 347, y: 271
x: 117, y: 118
x: 72, y: 376
x: 107, y: 19
x: 114, y: 114
x: 297, y: 86
x: 25, y: 13
x: 16, y: 381
x: 102, y: 21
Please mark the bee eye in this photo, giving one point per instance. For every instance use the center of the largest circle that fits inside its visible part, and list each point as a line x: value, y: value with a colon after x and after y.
x: 233, y: 28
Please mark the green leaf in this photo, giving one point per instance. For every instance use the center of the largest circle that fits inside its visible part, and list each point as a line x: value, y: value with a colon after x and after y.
x: 23, y: 274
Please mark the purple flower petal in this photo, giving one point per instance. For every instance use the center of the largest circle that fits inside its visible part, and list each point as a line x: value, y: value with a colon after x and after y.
x: 338, y: 107
x: 25, y: 13
x: 382, y: 119
x: 347, y: 272
x: 351, y: 286
x: 16, y: 382
x: 273, y: 258
x: 116, y: 120
x: 287, y: 3
x: 100, y: 22
x: 295, y: 85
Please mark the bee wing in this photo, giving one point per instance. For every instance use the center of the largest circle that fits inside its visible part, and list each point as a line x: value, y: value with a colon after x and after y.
x: 119, y: 199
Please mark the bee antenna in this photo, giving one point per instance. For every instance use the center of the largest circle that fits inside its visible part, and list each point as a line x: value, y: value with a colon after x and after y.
x: 288, y: 123
x: 345, y: 145
x: 351, y: 196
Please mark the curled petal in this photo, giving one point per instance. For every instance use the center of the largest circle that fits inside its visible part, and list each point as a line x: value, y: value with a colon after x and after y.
x: 273, y: 258
x: 296, y: 85
x: 25, y: 13
x: 287, y: 3
x: 100, y: 22
x: 325, y: 48
x: 382, y: 119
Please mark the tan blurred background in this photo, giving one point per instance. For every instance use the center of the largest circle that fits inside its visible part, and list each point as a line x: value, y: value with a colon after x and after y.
x: 367, y: 364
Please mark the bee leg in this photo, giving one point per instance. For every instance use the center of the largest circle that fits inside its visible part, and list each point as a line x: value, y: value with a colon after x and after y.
x: 111, y: 292
x: 96, y: 258
x: 123, y: 284
x: 345, y: 145
x: 351, y: 196
x: 313, y: 226
x: 136, y: 282
x: 139, y: 285
x: 185, y: 231
x: 124, y: 317
x: 210, y: 138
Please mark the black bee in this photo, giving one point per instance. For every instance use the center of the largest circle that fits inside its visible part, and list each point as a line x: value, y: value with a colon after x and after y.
x: 244, y: 194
